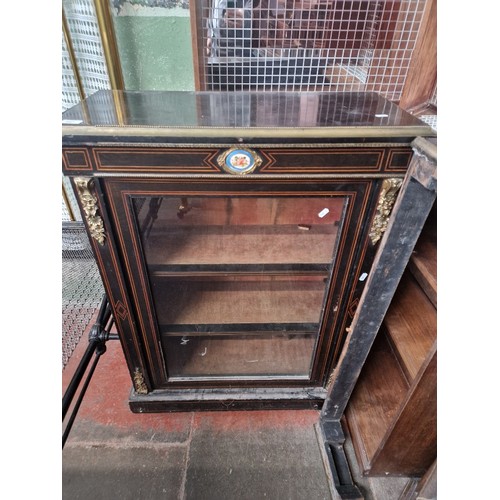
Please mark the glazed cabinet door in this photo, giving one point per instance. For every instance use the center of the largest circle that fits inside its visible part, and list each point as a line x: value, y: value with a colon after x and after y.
x: 239, y: 282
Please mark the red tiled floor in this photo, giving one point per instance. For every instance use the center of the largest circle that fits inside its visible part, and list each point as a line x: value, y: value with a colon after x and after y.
x: 187, y: 455
x: 184, y: 455
x: 106, y: 404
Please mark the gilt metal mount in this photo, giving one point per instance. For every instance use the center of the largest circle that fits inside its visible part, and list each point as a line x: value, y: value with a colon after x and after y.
x: 387, y: 198
x: 90, y: 208
x: 139, y: 382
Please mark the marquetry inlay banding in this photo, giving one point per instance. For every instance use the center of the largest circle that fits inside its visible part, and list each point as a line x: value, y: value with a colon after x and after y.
x: 399, y: 159
x: 325, y: 160
x: 160, y: 160
x: 121, y: 310
x: 76, y: 159
x: 352, y: 307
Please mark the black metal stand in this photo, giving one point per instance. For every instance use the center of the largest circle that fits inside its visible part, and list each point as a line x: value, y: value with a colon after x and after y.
x: 98, y: 336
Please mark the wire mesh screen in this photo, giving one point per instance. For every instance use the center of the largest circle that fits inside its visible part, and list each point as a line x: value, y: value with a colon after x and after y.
x: 70, y: 95
x: 86, y: 41
x: 309, y: 44
x: 65, y: 216
x: 71, y: 201
x: 431, y: 120
x: 244, y: 109
x: 82, y: 288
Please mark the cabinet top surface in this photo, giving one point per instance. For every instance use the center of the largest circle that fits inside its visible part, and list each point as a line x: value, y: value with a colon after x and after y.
x: 255, y: 114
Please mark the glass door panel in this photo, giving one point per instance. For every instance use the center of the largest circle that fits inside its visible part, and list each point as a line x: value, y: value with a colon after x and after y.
x: 239, y: 283
x: 236, y: 299
x: 241, y: 355
x: 230, y: 230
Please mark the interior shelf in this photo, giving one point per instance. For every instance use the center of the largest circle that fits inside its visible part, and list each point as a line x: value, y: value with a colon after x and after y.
x: 241, y: 210
x: 245, y: 230
x: 219, y: 356
x: 233, y: 300
x: 284, y: 244
x: 423, y: 263
x: 377, y: 398
x: 392, y: 411
x: 411, y: 325
x: 231, y: 329
x: 237, y: 270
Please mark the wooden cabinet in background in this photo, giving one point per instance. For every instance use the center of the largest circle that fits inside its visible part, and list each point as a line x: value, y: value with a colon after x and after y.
x: 392, y: 411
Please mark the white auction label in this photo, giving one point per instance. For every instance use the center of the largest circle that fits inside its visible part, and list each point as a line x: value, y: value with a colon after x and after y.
x: 323, y: 212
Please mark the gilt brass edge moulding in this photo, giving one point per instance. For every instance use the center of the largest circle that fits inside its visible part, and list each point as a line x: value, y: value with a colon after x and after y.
x: 90, y: 208
x: 248, y: 132
x: 387, y: 198
x: 260, y: 145
x: 141, y: 175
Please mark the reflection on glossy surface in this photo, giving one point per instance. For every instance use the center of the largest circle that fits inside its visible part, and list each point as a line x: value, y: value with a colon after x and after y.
x: 240, y: 109
x: 239, y: 282
x: 239, y: 355
x: 238, y: 230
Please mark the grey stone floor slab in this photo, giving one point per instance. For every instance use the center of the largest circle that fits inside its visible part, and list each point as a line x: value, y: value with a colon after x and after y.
x: 374, y: 488
x: 250, y: 465
x: 91, y: 432
x: 104, y: 473
x: 114, y: 454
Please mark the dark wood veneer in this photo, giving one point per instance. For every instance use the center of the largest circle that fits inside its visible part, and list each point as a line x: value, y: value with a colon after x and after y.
x: 185, y: 160
x: 76, y: 159
x: 141, y: 159
x: 194, y: 254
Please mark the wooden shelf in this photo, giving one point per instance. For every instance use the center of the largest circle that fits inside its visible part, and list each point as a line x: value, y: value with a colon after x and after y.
x: 247, y: 211
x: 411, y: 325
x: 238, y: 300
x: 215, y: 356
x: 379, y: 393
x: 423, y: 264
x: 393, y: 423
x: 284, y: 244
x: 245, y: 230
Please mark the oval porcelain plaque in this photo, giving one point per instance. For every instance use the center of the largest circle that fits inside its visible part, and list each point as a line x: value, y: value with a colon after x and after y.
x: 239, y: 161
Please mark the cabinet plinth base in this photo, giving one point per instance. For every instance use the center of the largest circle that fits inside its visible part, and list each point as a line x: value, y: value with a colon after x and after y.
x: 331, y: 439
x: 226, y: 399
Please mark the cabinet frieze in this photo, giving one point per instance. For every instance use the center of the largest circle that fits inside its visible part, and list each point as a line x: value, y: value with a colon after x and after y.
x: 303, y: 159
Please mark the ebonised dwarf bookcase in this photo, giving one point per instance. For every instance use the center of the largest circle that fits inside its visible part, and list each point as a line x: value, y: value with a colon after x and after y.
x: 234, y: 234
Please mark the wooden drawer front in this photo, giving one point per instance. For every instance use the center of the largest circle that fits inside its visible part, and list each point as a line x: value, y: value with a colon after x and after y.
x: 322, y: 161
x: 398, y: 159
x: 158, y: 160
x: 76, y: 159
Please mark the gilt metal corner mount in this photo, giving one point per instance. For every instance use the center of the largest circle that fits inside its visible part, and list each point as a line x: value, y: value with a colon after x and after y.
x: 387, y: 198
x: 139, y: 382
x: 89, y: 205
